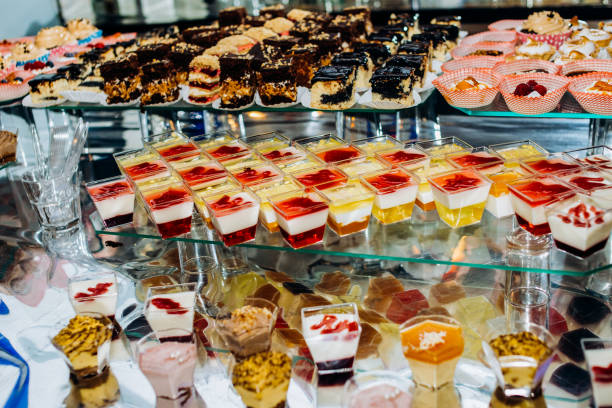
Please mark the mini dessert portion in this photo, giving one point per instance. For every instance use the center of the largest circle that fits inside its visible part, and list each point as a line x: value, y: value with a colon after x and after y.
x: 201, y: 173
x: 268, y: 142
x: 380, y: 292
x: 512, y: 152
x: 234, y: 215
x: 216, y: 186
x: 237, y: 81
x: 350, y: 207
x: 321, y: 177
x: 82, y: 29
x: 378, y: 53
x: 600, y: 87
x: 235, y: 164
x: 424, y: 169
x: 256, y: 174
x: 572, y: 379
x: 170, y: 205
x: 213, y: 139
x: 361, y: 62
x: 52, y: 37
x: 181, y: 55
x: 277, y: 83
x: 460, y: 196
x: 361, y: 165
x: 529, y: 197
x: 315, y: 144
x: 469, y: 83
x: 266, y: 189
x: 94, y: 295
x: 377, y: 389
x: 333, y: 87
x: 372, y: 145
x: 47, y: 88
x: 409, y: 156
x: 159, y: 83
x: 393, y: 84
x: 227, y: 151
x: 499, y: 203
x: 446, y: 292
x: 114, y: 200
x: 338, y: 154
x: 545, y: 22
x: 141, y: 166
x: 305, y: 63
x: 8, y: 147
x: 444, y: 146
x: 204, y: 71
x: 553, y: 164
x: 480, y: 158
x: 533, y: 49
x: 594, y: 181
x: 587, y: 311
x: 180, y: 150
x: 405, y: 305
x: 301, y: 217
x: 248, y: 329
x: 169, y: 310
x: 395, y: 192
x: 432, y: 345
x: 284, y: 155
x: 332, y: 333
x: 570, y: 343
x: 232, y: 16
x: 530, y: 89
x: 121, y: 79
x: 598, y: 355
x: 262, y: 380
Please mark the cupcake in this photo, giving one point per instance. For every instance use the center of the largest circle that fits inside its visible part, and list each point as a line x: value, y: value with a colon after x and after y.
x: 83, y: 30
x: 52, y: 37
x: 22, y: 53
x: 577, y: 25
x: 598, y: 37
x: 533, y: 49
x: 545, y: 22
x: 576, y: 49
x: 593, y: 92
x: 533, y: 94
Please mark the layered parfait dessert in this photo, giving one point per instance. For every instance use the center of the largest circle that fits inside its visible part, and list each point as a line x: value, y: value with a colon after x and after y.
x: 201, y: 173
x: 267, y: 142
x: 407, y: 156
x: 353, y: 168
x: 529, y: 197
x: 377, y: 389
x: 395, y: 192
x: 553, y: 164
x: 321, y: 177
x: 141, y: 165
x: 322, y: 142
x: 424, y: 169
x: 598, y: 354
x: 479, y: 158
x: 376, y: 144
x: 178, y: 151
x: 262, y: 380
x: 257, y: 174
x: 600, y: 156
x: 223, y: 185
x: 114, y: 200
x: 498, y: 203
x: 350, y: 207
x: 432, y: 345
x: 299, y: 162
x: 234, y: 215
x: 301, y: 217
x: 342, y: 153
x: 228, y: 150
x: 267, y: 189
x: 284, y: 154
x: 332, y: 334
x: 514, y: 152
x: 169, y: 310
x: 579, y: 226
x: 594, y: 181
x: 170, y: 206
x: 460, y: 196
x: 444, y: 146
x: 212, y: 139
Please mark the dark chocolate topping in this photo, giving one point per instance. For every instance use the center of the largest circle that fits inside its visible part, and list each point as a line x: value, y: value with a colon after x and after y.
x: 43, y: 78
x: 121, y: 67
x: 333, y: 73
x: 351, y: 59
x: 156, y: 70
x: 385, y: 37
x: 447, y: 19
x: 414, y: 47
x: 378, y: 52
x: 71, y: 71
x: 414, y: 61
x: 392, y: 71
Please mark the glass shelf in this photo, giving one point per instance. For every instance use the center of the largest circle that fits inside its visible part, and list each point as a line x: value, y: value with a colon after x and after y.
x: 419, y: 240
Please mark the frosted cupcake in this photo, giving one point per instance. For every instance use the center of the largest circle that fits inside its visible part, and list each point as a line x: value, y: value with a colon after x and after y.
x: 22, y: 53
x: 53, y: 37
x: 83, y: 30
x: 535, y: 50
x: 545, y: 22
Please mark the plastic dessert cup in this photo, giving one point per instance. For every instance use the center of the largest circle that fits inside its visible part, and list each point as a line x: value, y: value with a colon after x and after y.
x: 593, y: 156
x: 332, y: 334
x: 301, y: 217
x: 267, y: 142
x: 395, y: 192
x: 432, y: 344
x: 593, y: 181
x: 234, y: 215
x: 233, y: 164
x: 479, y: 158
x: 423, y: 169
x: 169, y: 310
x: 228, y: 184
x: 257, y: 174
x: 169, y: 366
x: 262, y: 379
x: 321, y: 177
x: 298, y: 161
x: 499, y: 204
x: 350, y: 207
x: 529, y: 197
x: 377, y: 389
x: 114, y: 200
x: 141, y: 165
x: 165, y: 139
x: 94, y: 293
x: 598, y: 354
x: 179, y: 151
x: 342, y: 153
x: 354, y: 168
x: 212, y: 139
x: 444, y: 146
x: 460, y: 196
x: 170, y: 206
x: 283, y: 154
x: 201, y: 173
x: 322, y: 142
x: 513, y: 152
x: 554, y: 163
x: 227, y: 150
x: 372, y: 145
x: 248, y: 330
x: 408, y: 156
x: 579, y: 226
x: 267, y: 189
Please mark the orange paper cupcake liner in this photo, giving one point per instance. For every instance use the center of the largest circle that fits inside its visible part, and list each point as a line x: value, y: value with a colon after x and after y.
x: 587, y: 66
x: 506, y: 25
x: 497, y: 37
x: 473, y: 61
x: 593, y: 103
x: 556, y: 86
x: 465, y: 51
x: 506, y: 68
x: 470, y: 98
x: 556, y: 40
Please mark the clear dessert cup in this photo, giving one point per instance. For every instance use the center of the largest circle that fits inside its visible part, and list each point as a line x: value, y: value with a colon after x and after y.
x: 248, y: 330
x: 594, y: 181
x: 165, y: 139
x: 261, y: 173
x: 228, y: 150
x: 372, y: 145
x: 94, y: 293
x: 513, y: 152
x: 479, y: 158
x: 179, y: 151
x: 460, y: 196
x: 332, y: 334
x: 350, y: 207
x: 237, y: 162
x: 354, y: 168
x: 432, y: 344
x: 598, y: 355
x: 322, y: 177
x: 212, y: 139
x: 170, y: 206
x: 141, y: 166
x: 321, y: 142
x: 395, y: 193
x: 377, y: 389
x: 234, y: 215
x: 169, y: 310
x: 201, y: 173
x: 169, y: 366
x: 301, y: 217
x: 499, y: 204
x: 578, y: 225
x: 229, y: 184
x: 423, y: 169
x: 267, y: 142
x: 552, y: 164
x: 593, y: 156
x: 343, y: 153
x: 114, y: 200
x: 409, y: 156
x: 266, y: 189
x: 284, y: 155
x: 444, y: 146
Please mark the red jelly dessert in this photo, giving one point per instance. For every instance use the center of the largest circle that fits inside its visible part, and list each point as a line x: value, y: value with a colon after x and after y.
x: 484, y: 161
x: 301, y: 217
x: 321, y: 178
x: 184, y: 151
x: 147, y: 170
x: 405, y: 305
x: 389, y: 181
x: 457, y: 182
x: 170, y: 207
x: 250, y: 175
x: 551, y: 166
x: 528, y: 89
x: 339, y: 154
x: 401, y: 156
x: 100, y: 289
x: 199, y: 176
x: 234, y: 216
x: 169, y: 305
x: 114, y: 200
x: 223, y: 152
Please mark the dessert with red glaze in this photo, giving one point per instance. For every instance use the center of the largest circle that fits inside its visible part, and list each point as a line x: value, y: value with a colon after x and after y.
x: 301, y: 217
x: 529, y: 197
x: 201, y: 173
x: 354, y: 168
x: 322, y: 142
x: 257, y: 174
x: 179, y: 151
x: 170, y: 310
x: 553, y: 164
x: 212, y: 139
x: 594, y: 181
x: 234, y: 215
x: 498, y: 203
x: 444, y: 146
x: 114, y: 200
x: 216, y: 186
x: 407, y: 156
x: 480, y: 158
x: 141, y: 165
x: 266, y: 189
x: 530, y: 89
x: 600, y: 156
x: 395, y: 192
x: 371, y: 145
x: 321, y: 177
x: 170, y: 205
x: 284, y: 154
x: 266, y: 142
x: 228, y: 150
x: 338, y: 154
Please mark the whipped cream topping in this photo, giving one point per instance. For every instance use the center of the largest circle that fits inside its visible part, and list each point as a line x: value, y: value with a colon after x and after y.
x: 581, y: 46
x: 532, y: 47
x: 594, y: 35
x: 601, y: 87
x: 546, y: 22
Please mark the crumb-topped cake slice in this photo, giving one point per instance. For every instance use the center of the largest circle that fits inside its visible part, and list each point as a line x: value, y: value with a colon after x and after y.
x: 277, y: 83
x: 333, y: 87
x: 393, y: 84
x: 237, y: 80
x: 121, y: 79
x: 204, y: 78
x: 159, y: 83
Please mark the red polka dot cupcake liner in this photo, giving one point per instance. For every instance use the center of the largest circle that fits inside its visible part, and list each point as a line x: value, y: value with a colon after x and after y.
x: 586, y: 66
x: 498, y: 37
x: 506, y: 68
x: 599, y: 104
x: 469, y: 98
x: 556, y: 40
x: 506, y: 25
x: 463, y: 51
x: 473, y: 61
x: 556, y: 86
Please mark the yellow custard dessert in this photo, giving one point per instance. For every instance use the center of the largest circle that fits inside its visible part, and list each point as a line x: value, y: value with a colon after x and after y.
x: 350, y: 207
x: 267, y: 216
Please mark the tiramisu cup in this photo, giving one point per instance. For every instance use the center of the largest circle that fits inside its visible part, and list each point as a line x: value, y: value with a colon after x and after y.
x: 114, y: 200
x: 169, y: 310
x: 234, y: 215
x: 350, y: 207
x: 395, y: 192
x: 170, y: 206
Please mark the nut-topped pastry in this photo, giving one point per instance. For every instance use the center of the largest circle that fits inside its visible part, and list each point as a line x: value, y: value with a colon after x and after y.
x: 237, y: 81
x: 204, y: 79
x: 159, y: 83
x: 232, y: 16
x: 121, y: 79
x: 277, y: 84
x: 305, y: 63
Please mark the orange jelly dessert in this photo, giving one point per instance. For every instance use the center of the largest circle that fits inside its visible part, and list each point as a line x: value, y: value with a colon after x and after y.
x: 339, y: 154
x: 498, y: 203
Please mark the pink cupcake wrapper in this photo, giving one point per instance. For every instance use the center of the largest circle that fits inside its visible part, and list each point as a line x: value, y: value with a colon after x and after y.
x: 9, y: 92
x: 465, y: 51
x: 555, y: 84
x: 504, y: 68
x: 471, y: 98
x: 592, y: 103
x: 505, y: 25
x: 505, y: 37
x: 556, y: 40
x: 598, y: 65
x: 473, y: 61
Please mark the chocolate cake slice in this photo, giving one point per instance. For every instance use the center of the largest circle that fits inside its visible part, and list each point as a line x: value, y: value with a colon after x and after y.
x: 181, y: 54
x: 206, y: 39
x: 189, y: 33
x: 121, y: 79
x: 303, y: 29
x: 346, y: 27
x: 408, y: 20
x: 418, y: 62
x: 362, y: 63
x: 73, y: 73
x: 270, y: 12
x: 390, y: 40
x: 393, y: 84
x: 305, y: 63
x: 333, y: 87
x: 159, y: 83
x: 152, y: 52
x: 277, y: 47
x: 447, y: 20
x: 328, y: 43
x: 255, y: 21
x: 277, y: 83
x: 361, y: 14
x: 451, y: 32
x: 437, y: 43
x: 47, y: 87
x: 232, y: 16
x: 399, y: 29
x: 237, y: 80
x: 416, y: 48
x: 379, y: 53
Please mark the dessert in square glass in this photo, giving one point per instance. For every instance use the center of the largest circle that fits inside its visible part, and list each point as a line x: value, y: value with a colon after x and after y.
x: 350, y: 207
x: 284, y: 154
x: 234, y: 164
x: 593, y: 156
x: 444, y: 146
x: 321, y: 177
x: 395, y: 192
x: 225, y: 151
x: 212, y: 139
x: 179, y: 151
x: 248, y: 329
x: 267, y: 189
x: 460, y: 196
x: 498, y: 203
x: 223, y: 185
x: 479, y: 158
x: 432, y: 344
x: 141, y: 165
x: 354, y: 168
x: 322, y: 142
x: 424, y: 169
x: 170, y: 206
x: 169, y: 366
x: 94, y: 293
x: 201, y: 173
x: 169, y: 310
x: 301, y: 217
x: 342, y: 153
x: 114, y: 200
x: 262, y: 380
x: 409, y: 156
x: 513, y: 152
x: 594, y: 181
x: 332, y: 334
x: 377, y: 389
x: 267, y: 142
x: 234, y: 215
x: 554, y: 163
x: 298, y: 162
x: 598, y: 354
x: 372, y: 145
x: 256, y: 174
x: 579, y: 226
x: 529, y: 197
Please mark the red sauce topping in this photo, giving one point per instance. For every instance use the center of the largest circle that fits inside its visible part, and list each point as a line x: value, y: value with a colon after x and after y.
x: 471, y: 160
x: 99, y: 289
x: 319, y: 177
x: 226, y: 203
x: 277, y: 154
x: 176, y: 150
x: 199, y: 172
x: 539, y: 191
x: 336, y: 155
x: 595, y: 160
x: 298, y: 206
x: 328, y: 324
x: 588, y: 183
x: 549, y: 166
x: 388, y: 180
x: 582, y: 216
x: 456, y: 182
x: 248, y: 175
x: 226, y: 150
x: 167, y: 199
x: 402, y: 156
x: 103, y: 192
x: 603, y: 374
x: 169, y: 305
x: 145, y: 168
